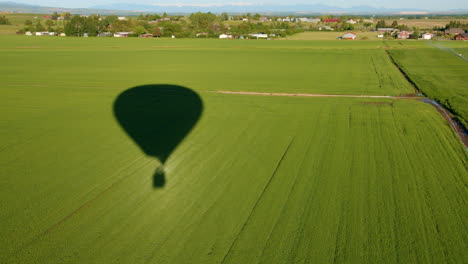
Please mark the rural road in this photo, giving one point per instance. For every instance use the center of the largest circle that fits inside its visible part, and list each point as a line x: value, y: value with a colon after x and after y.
x: 459, y: 130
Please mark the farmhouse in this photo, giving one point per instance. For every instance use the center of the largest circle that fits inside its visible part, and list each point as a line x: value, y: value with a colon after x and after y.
x: 427, y: 36
x: 308, y: 20
x: 404, y: 35
x: 122, y: 18
x: 105, y: 34
x: 332, y: 20
x: 146, y: 36
x: 351, y: 21
x: 225, y: 36
x: 46, y: 33
x: 28, y: 33
x: 349, y: 35
x: 259, y: 35
x: 454, y: 31
x: 463, y: 36
x: 122, y: 34
x: 326, y: 28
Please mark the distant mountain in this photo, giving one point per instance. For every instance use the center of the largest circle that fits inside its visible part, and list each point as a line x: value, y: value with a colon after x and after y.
x: 12, y: 7
x: 132, y: 9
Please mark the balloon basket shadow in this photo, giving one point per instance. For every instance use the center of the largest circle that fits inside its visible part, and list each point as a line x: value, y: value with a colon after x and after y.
x: 159, y: 178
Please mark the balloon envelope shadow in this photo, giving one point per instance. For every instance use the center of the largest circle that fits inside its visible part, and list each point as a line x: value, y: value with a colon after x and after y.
x: 158, y: 118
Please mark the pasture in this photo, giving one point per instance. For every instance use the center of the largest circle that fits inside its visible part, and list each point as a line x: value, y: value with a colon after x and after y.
x: 257, y: 179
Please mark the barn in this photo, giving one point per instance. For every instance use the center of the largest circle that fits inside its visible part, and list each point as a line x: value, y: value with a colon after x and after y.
x: 349, y: 35
x: 462, y: 36
x: 404, y: 35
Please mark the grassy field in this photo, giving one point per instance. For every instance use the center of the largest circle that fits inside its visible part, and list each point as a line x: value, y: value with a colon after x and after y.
x: 258, y: 179
x: 329, y: 67
x: 17, y: 22
x: 428, y: 24
x: 439, y: 72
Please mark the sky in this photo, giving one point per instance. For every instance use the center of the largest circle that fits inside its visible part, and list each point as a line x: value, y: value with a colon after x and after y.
x: 422, y: 4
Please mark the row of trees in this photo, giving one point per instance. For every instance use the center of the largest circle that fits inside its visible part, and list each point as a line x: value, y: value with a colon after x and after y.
x: 4, y: 20
x: 383, y: 24
x: 209, y: 24
x: 66, y: 16
x: 457, y: 24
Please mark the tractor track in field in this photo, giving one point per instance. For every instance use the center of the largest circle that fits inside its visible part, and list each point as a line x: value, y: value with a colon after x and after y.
x: 234, y: 241
x: 73, y: 213
x: 456, y: 126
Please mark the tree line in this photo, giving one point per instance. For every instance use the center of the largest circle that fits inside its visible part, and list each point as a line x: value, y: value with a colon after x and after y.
x: 4, y: 20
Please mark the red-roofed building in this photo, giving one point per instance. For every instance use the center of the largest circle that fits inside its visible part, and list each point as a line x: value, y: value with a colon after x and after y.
x: 349, y: 35
x: 332, y: 20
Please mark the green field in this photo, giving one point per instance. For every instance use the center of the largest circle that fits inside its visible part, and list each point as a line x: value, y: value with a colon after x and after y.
x: 439, y: 72
x: 258, y: 180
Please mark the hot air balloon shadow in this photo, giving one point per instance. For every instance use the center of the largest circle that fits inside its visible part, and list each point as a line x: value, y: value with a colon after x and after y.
x: 158, y: 118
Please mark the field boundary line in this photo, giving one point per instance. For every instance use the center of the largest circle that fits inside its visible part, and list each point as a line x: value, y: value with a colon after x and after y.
x: 258, y: 200
x: 318, y: 95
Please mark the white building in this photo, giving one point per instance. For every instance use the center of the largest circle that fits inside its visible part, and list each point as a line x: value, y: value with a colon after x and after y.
x: 349, y: 35
x: 259, y: 35
x: 122, y: 34
x: 28, y: 33
x: 351, y: 21
x: 122, y: 18
x: 427, y: 36
x: 42, y: 33
x: 225, y: 36
x: 308, y: 20
x: 52, y: 34
x: 63, y: 34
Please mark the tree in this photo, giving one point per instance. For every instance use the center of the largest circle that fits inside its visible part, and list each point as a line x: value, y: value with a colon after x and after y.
x: 111, y: 19
x: 347, y: 26
x: 49, y: 23
x: 257, y: 17
x: 139, y: 30
x: 39, y: 27
x: 157, y: 32
x: 381, y: 24
x: 395, y: 24
x: 202, y: 21
x: 224, y: 16
x: 54, y: 16
x: 28, y: 22
x: 76, y: 27
x: 66, y: 16
x: 4, y: 20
